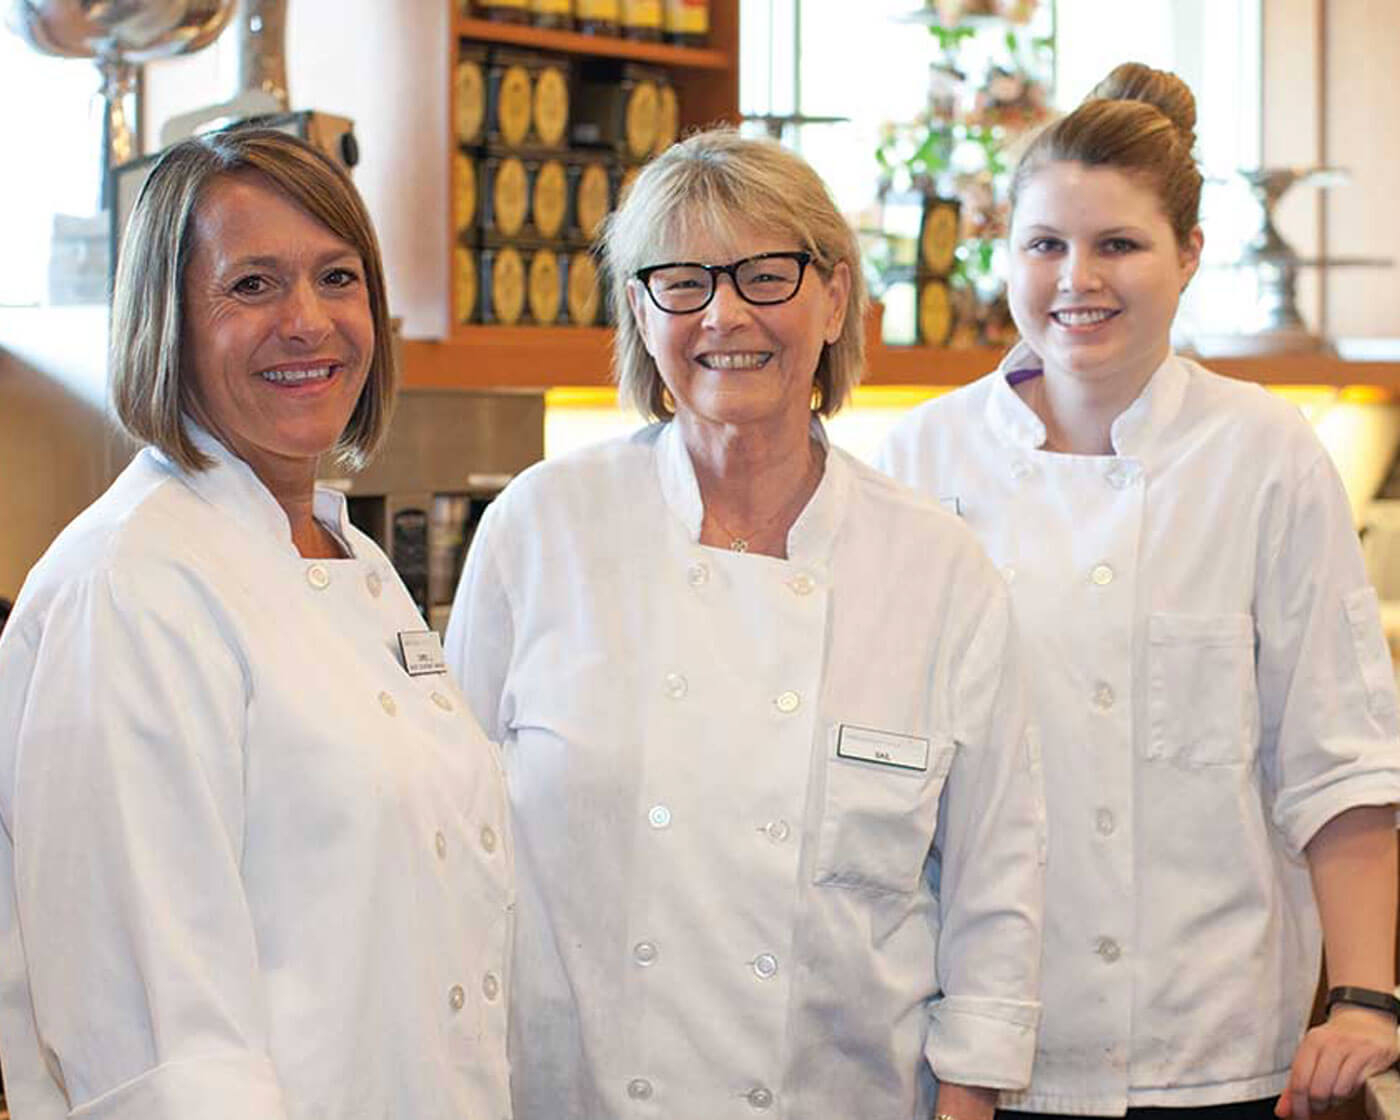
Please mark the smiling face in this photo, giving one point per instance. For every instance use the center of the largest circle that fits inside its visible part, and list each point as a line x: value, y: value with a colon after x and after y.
x: 278, y: 333
x: 1096, y: 273
x: 734, y: 363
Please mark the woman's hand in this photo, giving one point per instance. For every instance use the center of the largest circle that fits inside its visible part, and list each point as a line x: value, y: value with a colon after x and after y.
x: 1335, y: 1058
x: 966, y: 1102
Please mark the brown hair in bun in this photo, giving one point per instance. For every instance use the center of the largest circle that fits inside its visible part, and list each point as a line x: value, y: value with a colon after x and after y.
x: 1139, y: 120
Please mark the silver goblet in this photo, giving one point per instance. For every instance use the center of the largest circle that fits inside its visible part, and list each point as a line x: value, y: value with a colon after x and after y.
x: 119, y: 35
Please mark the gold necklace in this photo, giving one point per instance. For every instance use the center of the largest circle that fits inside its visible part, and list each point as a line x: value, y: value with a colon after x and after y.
x: 740, y: 542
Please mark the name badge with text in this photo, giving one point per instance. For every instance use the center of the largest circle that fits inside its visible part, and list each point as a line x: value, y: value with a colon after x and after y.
x: 422, y: 652
x: 884, y: 748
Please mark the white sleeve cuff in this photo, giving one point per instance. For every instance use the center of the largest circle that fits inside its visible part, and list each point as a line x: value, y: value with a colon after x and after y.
x: 219, y: 1087
x: 982, y: 1042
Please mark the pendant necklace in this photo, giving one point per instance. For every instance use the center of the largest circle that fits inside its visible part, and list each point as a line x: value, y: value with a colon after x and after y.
x: 740, y: 543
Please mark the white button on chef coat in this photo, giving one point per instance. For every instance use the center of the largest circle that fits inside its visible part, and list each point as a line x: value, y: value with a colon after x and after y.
x: 567, y: 664
x: 1108, y: 949
x: 442, y: 701
x: 639, y: 1089
x: 491, y: 987
x: 802, y: 584
x: 387, y: 702
x: 231, y: 727
x: 697, y: 575
x: 676, y: 686
x: 1240, y: 592
x: 374, y: 584
x: 787, y: 702
x: 644, y: 953
x: 659, y: 816
x: 760, y: 1098
x: 319, y: 576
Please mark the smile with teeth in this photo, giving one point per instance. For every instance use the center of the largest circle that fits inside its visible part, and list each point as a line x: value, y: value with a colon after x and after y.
x: 1085, y: 317
x: 298, y: 375
x: 735, y: 360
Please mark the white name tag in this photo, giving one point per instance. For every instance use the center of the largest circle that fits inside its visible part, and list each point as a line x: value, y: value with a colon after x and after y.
x: 422, y: 652
x: 884, y: 748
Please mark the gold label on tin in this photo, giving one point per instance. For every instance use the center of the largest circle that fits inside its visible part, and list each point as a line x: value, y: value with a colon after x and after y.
x: 510, y: 196
x: 508, y: 286
x: 470, y: 95
x: 463, y: 191
x: 668, y: 113
x: 551, y: 7
x: 592, y: 198
x: 606, y: 11
x: 551, y: 105
x: 935, y: 313
x: 939, y: 241
x: 688, y: 17
x: 551, y: 198
x: 544, y: 286
x: 641, y: 119
x: 513, y: 105
x: 464, y: 284
x: 641, y: 13
x: 583, y: 289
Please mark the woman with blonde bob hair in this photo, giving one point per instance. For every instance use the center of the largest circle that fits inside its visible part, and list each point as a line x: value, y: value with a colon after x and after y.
x: 253, y: 859
x: 1212, y: 686
x: 777, y: 809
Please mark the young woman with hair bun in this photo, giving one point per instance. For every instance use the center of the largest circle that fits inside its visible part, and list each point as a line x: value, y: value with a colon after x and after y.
x: 1217, y: 713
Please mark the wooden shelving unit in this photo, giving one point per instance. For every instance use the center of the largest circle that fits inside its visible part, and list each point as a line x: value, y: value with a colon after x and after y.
x: 595, y: 46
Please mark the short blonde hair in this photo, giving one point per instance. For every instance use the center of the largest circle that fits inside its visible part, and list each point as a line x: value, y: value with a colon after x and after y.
x: 1139, y: 120
x: 717, y: 180
x: 151, y: 388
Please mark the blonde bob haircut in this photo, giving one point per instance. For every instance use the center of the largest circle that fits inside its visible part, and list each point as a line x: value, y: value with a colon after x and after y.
x: 719, y: 182
x: 152, y: 390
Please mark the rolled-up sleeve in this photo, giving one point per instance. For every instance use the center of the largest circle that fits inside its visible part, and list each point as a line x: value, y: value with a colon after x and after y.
x: 127, y: 828
x: 990, y: 854
x: 1329, y: 723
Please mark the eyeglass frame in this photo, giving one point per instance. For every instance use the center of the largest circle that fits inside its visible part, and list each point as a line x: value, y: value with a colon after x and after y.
x: 801, y: 256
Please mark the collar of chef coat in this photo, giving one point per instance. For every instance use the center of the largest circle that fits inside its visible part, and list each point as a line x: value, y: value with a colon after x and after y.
x: 232, y: 486
x: 812, y: 534
x: 1132, y: 433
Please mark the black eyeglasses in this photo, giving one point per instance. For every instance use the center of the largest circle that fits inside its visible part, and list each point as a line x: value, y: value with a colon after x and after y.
x: 684, y: 286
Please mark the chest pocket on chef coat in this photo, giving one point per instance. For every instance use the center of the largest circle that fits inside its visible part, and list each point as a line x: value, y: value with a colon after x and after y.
x: 1202, y: 703
x: 878, y: 821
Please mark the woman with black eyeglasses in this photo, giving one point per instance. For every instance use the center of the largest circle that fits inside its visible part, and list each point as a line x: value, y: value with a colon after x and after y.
x: 778, y: 817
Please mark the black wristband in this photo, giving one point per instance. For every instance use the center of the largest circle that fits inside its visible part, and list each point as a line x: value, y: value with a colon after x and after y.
x: 1365, y: 997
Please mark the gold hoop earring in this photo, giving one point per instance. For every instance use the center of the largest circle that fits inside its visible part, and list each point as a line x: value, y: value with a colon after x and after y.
x: 668, y: 402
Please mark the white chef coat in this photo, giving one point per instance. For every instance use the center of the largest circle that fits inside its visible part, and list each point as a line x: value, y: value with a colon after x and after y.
x: 249, y: 867
x: 1211, y: 686
x: 719, y: 915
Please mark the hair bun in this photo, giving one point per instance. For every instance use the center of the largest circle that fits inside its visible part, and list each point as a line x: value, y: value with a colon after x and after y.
x: 1133, y: 81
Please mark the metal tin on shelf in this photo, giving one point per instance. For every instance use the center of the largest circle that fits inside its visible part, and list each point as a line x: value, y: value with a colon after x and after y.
x: 510, y: 90
x: 549, y: 198
x: 687, y: 22
x: 502, y: 278
x: 591, y: 179
x: 469, y: 94
x: 505, y: 195
x: 504, y: 11
x: 668, y: 116
x: 464, y: 193
x: 544, y: 286
x: 552, y: 13
x: 938, y: 236
x: 617, y: 107
x: 550, y: 107
x: 935, y: 311
x: 642, y: 19
x: 584, y: 305
x: 598, y: 17
x: 465, y: 289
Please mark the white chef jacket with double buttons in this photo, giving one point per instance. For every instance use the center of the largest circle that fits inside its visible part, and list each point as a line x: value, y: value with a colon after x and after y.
x: 1211, y: 685
x: 727, y: 774
x: 249, y: 867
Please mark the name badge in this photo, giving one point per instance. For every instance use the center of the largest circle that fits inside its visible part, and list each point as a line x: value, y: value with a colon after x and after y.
x: 422, y: 652
x: 884, y: 748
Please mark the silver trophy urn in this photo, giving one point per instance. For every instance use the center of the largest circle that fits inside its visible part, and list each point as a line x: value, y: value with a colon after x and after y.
x: 118, y: 35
